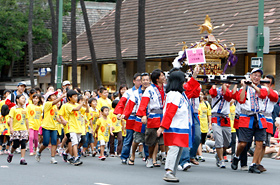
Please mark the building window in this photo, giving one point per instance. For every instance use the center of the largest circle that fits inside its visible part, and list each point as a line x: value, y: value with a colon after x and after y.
x: 109, y: 76
x: 150, y: 66
x: 78, y: 75
x: 269, y: 65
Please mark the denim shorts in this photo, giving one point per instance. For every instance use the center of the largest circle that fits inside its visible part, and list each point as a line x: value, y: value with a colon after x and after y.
x: 49, y: 134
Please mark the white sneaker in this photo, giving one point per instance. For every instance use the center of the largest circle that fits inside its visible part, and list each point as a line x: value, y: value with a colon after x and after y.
x: 149, y: 163
x: 222, y: 164
x: 53, y: 161
x: 180, y: 168
x: 186, y: 166
x: 38, y: 157
x: 244, y: 168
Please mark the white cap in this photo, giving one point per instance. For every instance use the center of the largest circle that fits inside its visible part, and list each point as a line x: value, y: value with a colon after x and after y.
x: 66, y: 82
x: 257, y: 70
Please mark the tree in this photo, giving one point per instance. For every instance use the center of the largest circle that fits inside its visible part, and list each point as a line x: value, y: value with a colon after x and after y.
x: 91, y: 45
x: 118, y: 43
x: 141, y: 63
x: 30, y: 49
x: 74, y: 43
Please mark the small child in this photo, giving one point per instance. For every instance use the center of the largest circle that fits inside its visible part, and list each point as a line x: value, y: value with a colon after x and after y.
x: 18, y: 128
x: 117, y: 131
x: 4, y: 128
x: 93, y: 116
x: 74, y: 112
x: 34, y: 113
x: 102, y: 129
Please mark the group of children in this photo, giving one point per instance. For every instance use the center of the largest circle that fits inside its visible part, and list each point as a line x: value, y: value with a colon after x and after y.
x: 74, y: 122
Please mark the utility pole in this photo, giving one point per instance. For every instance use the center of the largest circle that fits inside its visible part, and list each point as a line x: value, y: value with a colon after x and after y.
x: 59, y: 67
x: 260, y: 29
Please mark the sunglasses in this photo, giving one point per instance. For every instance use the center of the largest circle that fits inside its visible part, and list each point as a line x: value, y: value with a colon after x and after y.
x: 145, y: 74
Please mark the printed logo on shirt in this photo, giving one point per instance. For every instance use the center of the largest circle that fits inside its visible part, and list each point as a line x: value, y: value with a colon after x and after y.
x: 52, y: 112
x: 32, y: 112
x: 114, y: 119
x: 18, y: 117
x: 75, y: 114
x: 102, y: 129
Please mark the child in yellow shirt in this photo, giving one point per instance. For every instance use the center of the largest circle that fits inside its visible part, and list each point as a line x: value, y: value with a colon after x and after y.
x: 104, y: 100
x: 19, y: 128
x: 93, y: 116
x: 74, y: 112
x: 4, y: 128
x: 49, y: 125
x: 34, y: 113
x: 117, y: 130
x: 102, y: 130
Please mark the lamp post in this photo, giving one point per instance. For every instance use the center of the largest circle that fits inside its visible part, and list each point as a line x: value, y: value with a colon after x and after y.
x: 59, y: 67
x: 260, y: 29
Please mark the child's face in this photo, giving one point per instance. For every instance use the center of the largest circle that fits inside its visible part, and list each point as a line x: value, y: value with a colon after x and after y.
x: 21, y: 100
x: 52, y: 97
x: 35, y: 100
x: 104, y: 94
x: 94, y: 103
x: 105, y: 112
x: 74, y: 98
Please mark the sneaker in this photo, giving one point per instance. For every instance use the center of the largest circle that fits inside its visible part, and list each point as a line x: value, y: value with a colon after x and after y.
x: 261, y: 168
x: 170, y: 177
x: 64, y: 157
x: 18, y: 151
x: 225, y: 158
x: 140, y: 155
x: 149, y: 163
x: 71, y: 160
x: 222, y: 164
x: 123, y: 161
x: 84, y: 154
x: 31, y: 154
x: 102, y: 158
x: 234, y: 164
x: 201, y: 159
x: 186, y: 166
x: 244, y: 168
x: 180, y: 168
x: 217, y: 160
x: 163, y: 160
x: 77, y: 162
x: 22, y: 162
x: 254, y: 169
x: 10, y: 158
x: 38, y: 157
x: 112, y: 155
x: 53, y: 161
x: 1, y: 153
x: 94, y: 153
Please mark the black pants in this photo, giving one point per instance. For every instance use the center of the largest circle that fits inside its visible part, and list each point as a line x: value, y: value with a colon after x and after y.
x: 17, y: 142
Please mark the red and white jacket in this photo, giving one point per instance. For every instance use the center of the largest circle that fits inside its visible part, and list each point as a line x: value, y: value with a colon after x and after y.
x: 269, y: 103
x: 222, y: 107
x: 123, y: 101
x: 178, y: 119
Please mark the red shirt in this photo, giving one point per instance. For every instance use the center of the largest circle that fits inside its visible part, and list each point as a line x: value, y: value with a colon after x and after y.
x: 161, y: 91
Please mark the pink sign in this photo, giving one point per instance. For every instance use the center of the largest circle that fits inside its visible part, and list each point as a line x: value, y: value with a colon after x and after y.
x: 195, y: 56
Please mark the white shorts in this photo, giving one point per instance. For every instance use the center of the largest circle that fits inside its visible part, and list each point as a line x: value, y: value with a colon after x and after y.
x: 75, y: 138
x: 102, y: 142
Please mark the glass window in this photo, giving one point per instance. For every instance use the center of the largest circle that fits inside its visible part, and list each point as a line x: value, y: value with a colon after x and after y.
x: 269, y: 65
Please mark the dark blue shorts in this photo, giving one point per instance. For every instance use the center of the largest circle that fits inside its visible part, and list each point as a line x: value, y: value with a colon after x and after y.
x: 49, y: 134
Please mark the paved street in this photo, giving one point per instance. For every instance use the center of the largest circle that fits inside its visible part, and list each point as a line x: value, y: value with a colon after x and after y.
x: 113, y: 172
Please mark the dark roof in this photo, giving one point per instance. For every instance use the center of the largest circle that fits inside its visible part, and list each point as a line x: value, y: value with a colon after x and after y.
x: 168, y: 23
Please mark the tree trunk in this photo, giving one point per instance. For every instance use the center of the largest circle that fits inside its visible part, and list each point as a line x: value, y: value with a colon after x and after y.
x: 91, y: 46
x: 121, y: 74
x: 54, y: 41
x: 74, y: 44
x: 141, y: 63
x: 30, y: 49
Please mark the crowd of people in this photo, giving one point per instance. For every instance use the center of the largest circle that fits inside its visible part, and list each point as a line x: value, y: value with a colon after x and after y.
x: 171, y: 119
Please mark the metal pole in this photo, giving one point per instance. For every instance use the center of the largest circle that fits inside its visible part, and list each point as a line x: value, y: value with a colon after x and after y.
x: 260, y: 29
x: 59, y: 48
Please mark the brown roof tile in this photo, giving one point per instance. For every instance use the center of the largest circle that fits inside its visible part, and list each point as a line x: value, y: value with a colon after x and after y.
x: 171, y: 22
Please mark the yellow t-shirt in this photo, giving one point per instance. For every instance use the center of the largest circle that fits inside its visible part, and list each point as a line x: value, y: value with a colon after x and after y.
x: 74, y: 118
x: 104, y: 129
x: 34, y: 114
x: 50, y: 119
x: 4, y: 127
x: 116, y: 123
x: 93, y: 115
x: 30, y: 102
x: 124, y: 130
x: 203, y: 112
x: 19, y: 118
x: 103, y: 102
x: 1, y: 104
x: 231, y: 117
x: 62, y: 112
x: 84, y: 123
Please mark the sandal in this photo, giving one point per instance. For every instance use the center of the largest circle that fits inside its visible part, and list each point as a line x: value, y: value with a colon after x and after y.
x: 277, y: 158
x: 130, y: 162
x: 194, y: 162
x: 156, y: 165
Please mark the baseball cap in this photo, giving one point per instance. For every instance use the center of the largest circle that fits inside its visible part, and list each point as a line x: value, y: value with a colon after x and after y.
x: 48, y: 94
x: 21, y: 83
x: 66, y: 82
x: 70, y: 93
x: 257, y: 70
